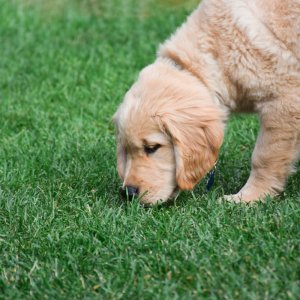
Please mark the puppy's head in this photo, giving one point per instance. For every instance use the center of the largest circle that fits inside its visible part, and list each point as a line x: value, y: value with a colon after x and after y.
x: 169, y: 132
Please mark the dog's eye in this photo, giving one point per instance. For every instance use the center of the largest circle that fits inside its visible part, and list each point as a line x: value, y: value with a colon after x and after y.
x: 151, y: 149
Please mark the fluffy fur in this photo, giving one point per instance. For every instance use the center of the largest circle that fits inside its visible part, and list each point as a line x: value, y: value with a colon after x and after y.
x: 229, y: 56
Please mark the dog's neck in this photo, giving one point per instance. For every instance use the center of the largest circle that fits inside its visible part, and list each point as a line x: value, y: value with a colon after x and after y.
x: 185, y: 52
x: 216, y: 94
x: 221, y: 99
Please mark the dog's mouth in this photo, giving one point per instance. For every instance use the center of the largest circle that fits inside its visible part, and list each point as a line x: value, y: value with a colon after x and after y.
x: 166, y: 203
x: 171, y: 199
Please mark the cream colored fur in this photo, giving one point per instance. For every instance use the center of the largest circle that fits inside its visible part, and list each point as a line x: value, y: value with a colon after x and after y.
x: 229, y: 56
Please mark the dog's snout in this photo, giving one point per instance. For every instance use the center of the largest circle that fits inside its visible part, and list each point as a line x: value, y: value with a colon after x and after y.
x: 129, y: 191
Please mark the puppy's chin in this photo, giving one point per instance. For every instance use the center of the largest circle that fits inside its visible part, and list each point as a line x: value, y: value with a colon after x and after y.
x: 148, y: 199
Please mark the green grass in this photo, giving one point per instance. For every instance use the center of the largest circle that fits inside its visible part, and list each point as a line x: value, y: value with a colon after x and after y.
x: 64, y: 232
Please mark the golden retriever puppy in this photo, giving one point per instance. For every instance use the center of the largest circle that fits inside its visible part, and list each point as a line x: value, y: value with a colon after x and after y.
x: 229, y: 56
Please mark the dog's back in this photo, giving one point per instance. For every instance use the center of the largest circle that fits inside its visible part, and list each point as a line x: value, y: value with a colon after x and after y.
x: 282, y: 18
x: 252, y: 45
x: 258, y: 44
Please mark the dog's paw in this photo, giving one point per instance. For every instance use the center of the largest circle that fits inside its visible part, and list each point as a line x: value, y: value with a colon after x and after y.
x: 241, y: 198
x: 236, y: 198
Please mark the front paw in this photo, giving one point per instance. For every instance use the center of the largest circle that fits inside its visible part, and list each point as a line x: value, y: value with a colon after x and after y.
x: 243, y: 198
x: 236, y: 198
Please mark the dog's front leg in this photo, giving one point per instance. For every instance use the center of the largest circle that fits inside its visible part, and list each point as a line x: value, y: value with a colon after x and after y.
x: 276, y: 150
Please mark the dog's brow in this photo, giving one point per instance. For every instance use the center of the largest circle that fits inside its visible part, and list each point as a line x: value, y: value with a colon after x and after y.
x: 156, y: 138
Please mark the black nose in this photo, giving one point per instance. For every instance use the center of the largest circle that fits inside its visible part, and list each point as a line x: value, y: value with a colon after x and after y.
x: 129, y: 191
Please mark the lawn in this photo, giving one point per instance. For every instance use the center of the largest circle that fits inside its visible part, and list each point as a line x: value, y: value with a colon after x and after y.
x: 64, y: 231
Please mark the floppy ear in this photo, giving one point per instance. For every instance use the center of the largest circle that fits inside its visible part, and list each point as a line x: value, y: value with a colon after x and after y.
x: 197, y: 135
